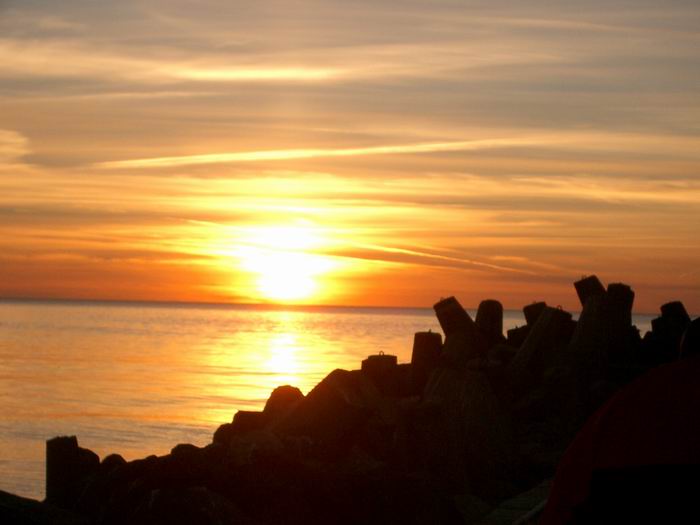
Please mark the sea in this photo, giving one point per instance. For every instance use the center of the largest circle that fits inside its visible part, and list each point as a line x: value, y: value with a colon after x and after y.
x: 139, y: 378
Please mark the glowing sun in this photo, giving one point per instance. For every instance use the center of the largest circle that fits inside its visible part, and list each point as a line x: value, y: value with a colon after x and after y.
x: 283, y: 262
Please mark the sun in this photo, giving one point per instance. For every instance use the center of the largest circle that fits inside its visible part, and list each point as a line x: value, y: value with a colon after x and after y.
x: 283, y: 261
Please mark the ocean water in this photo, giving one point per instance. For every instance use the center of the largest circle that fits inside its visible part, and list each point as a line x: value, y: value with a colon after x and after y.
x: 138, y: 379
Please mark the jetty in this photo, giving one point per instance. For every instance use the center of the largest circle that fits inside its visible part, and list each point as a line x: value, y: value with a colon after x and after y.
x: 470, y: 431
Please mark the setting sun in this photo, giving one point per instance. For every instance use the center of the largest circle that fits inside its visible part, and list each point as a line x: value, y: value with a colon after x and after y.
x: 282, y: 261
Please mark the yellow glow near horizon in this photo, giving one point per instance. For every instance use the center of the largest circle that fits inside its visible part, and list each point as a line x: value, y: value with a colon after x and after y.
x: 279, y: 257
x: 283, y: 360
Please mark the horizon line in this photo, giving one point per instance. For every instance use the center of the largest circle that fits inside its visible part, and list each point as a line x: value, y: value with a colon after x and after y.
x: 216, y: 304
x: 221, y: 304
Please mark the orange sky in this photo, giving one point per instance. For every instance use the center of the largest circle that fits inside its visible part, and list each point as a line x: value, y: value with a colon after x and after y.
x: 378, y: 153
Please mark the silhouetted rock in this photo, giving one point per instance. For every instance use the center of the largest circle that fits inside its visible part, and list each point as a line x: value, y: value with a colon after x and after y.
x: 463, y: 340
x: 15, y: 510
x: 382, y: 497
x: 604, y: 330
x: 604, y: 348
x: 452, y: 317
x: 282, y: 400
x: 620, y: 301
x: 501, y: 354
x: 424, y: 357
x: 336, y: 410
x: 187, y: 506
x: 111, y: 462
x: 662, y: 344
x: 248, y: 421
x: 381, y: 370
x: 224, y: 434
x: 68, y: 467
x: 543, y: 348
x: 461, y: 434
x: 280, y: 403
x: 462, y: 348
x: 590, y: 344
x: 690, y: 342
x: 246, y: 449
x: 588, y: 287
x: 675, y: 312
x: 623, y: 339
x: 489, y: 319
x: 516, y: 336
x: 403, y: 377
x: 185, y: 450
x: 532, y: 312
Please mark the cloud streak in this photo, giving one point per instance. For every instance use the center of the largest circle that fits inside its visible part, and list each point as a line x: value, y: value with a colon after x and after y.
x: 298, y: 154
x: 13, y: 145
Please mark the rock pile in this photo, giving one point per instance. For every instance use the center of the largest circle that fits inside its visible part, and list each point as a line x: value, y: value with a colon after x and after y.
x: 470, y: 422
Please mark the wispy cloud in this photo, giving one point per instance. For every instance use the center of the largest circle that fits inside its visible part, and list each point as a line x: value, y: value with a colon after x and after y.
x: 71, y: 59
x: 258, y: 74
x: 422, y: 258
x: 296, y: 154
x: 13, y: 145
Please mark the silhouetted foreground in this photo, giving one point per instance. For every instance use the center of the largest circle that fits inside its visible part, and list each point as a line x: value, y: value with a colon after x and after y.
x: 470, y: 423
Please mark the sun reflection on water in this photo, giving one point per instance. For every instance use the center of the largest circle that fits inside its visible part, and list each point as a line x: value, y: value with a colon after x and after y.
x: 283, y: 360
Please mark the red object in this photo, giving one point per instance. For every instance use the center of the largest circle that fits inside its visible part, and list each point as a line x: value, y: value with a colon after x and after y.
x: 653, y: 422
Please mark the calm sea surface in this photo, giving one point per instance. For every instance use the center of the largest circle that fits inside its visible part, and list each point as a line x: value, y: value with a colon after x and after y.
x: 138, y: 379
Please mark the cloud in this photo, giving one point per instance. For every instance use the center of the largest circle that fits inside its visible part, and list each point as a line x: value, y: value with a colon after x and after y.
x: 13, y: 146
x: 296, y: 154
x: 67, y: 58
x: 422, y: 258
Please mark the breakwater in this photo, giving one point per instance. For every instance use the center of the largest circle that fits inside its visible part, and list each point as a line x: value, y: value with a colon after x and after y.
x: 472, y: 420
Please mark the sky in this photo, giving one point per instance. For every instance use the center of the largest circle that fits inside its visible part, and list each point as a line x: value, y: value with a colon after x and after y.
x: 359, y: 153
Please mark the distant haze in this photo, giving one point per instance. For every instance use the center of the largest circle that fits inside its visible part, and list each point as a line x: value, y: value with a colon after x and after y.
x: 363, y: 153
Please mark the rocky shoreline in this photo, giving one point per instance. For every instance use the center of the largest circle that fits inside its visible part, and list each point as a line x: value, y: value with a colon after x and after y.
x: 471, y: 422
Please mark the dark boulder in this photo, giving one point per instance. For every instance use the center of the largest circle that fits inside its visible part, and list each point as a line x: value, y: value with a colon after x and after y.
x: 381, y: 370
x: 489, y: 320
x: 244, y: 421
x: 192, y: 505
x: 662, y: 344
x: 110, y: 462
x: 460, y: 434
x: 425, y: 356
x: 337, y: 410
x: 463, y: 339
x: 516, y: 336
x: 604, y: 334
x: 463, y: 347
x: 501, y: 354
x: 588, y: 287
x: 675, y: 312
x: 224, y: 434
x: 452, y: 317
x: 532, y: 312
x: 542, y: 348
x: 15, y: 510
x: 690, y: 343
x: 248, y: 421
x: 282, y: 400
x: 68, y: 469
